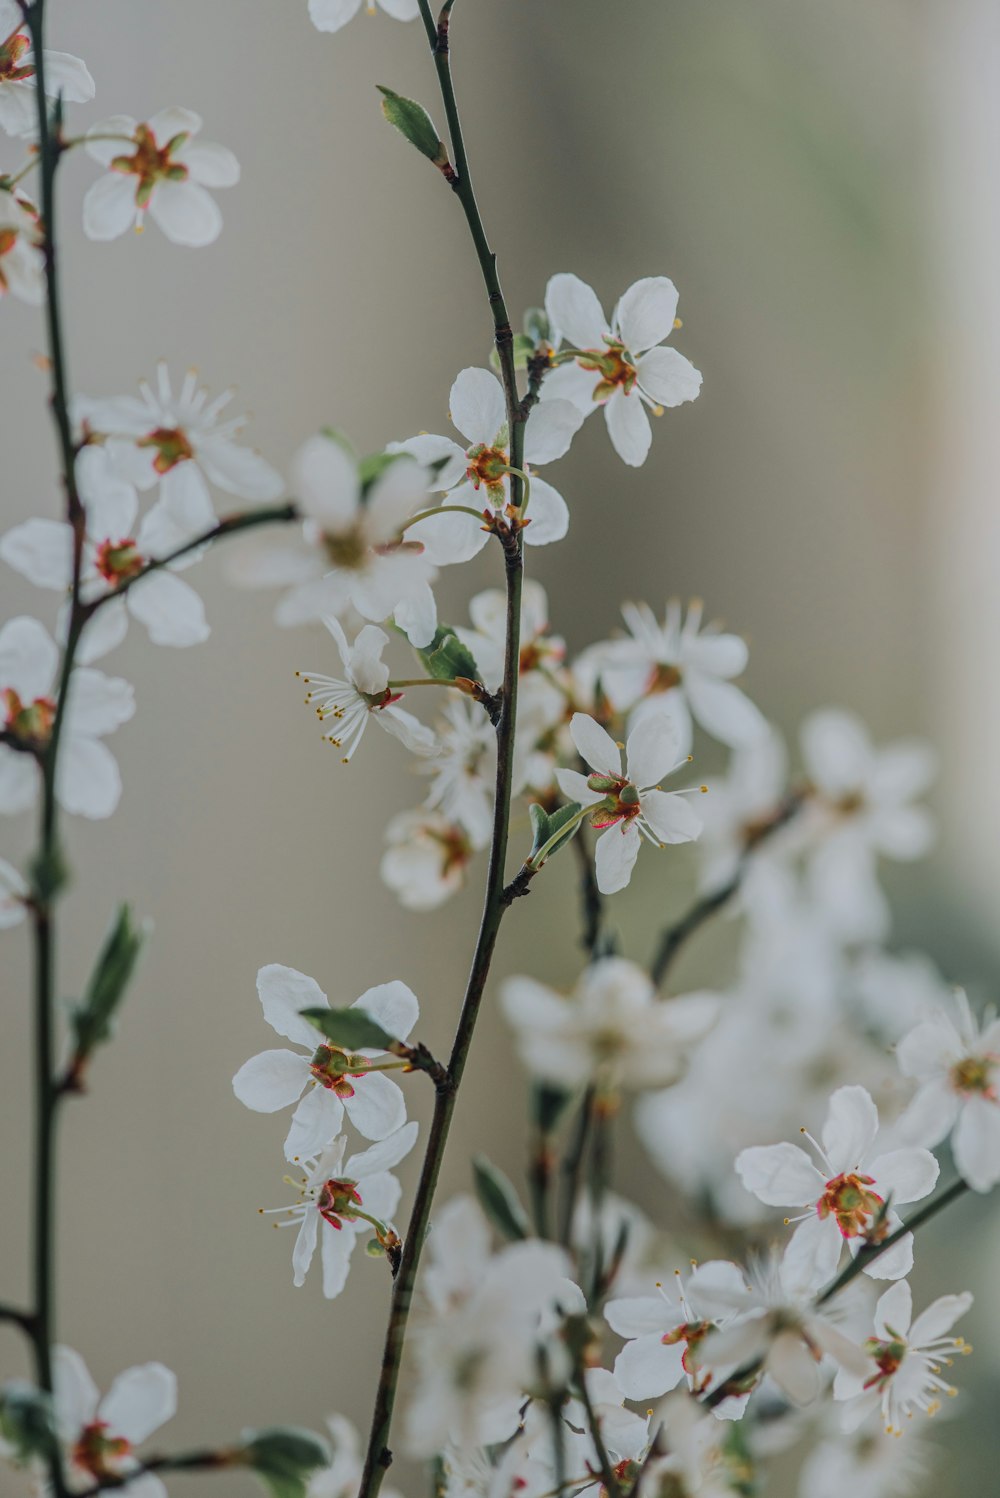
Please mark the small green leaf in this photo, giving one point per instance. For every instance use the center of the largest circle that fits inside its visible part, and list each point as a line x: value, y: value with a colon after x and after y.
x: 523, y: 346
x: 548, y: 1106
x: 499, y: 1200
x: 48, y: 875
x: 412, y: 120
x: 536, y: 326
x: 545, y: 825
x: 26, y: 1420
x: 446, y: 657
x: 93, y: 1019
x: 372, y: 468
x: 284, y: 1458
x: 350, y: 1029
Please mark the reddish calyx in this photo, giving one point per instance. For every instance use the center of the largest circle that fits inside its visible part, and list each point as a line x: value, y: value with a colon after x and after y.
x: 975, y: 1074
x: 29, y: 721
x: 12, y: 70
x: 150, y: 163
x: 488, y: 465
x: 172, y: 447
x: 332, y: 1069
x: 118, y: 560
x: 691, y: 1333
x: 338, y: 1200
x: 887, y: 1356
x: 617, y: 372
x: 621, y: 803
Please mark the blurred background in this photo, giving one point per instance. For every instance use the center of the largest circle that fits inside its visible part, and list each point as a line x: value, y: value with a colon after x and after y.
x: 820, y: 179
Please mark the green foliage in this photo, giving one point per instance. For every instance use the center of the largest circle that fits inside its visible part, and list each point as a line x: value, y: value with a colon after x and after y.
x: 524, y: 347
x: 26, y: 1420
x: 548, y: 1106
x: 499, y: 1200
x: 446, y: 657
x: 412, y: 120
x: 536, y: 325
x: 350, y: 1029
x: 93, y: 1019
x: 284, y: 1458
x: 545, y: 825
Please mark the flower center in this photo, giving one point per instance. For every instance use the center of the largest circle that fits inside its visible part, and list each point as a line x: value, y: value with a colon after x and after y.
x: 30, y: 721
x: 11, y: 52
x: 487, y: 465
x: 848, y: 1200
x: 616, y: 370
x: 664, y: 678
x: 621, y: 803
x: 172, y: 447
x: 887, y: 1357
x: 975, y: 1074
x: 332, y: 1069
x: 118, y: 560
x: 151, y: 163
x: 337, y: 1200
x: 691, y: 1333
x: 98, y: 1453
x: 455, y: 846
x: 346, y: 549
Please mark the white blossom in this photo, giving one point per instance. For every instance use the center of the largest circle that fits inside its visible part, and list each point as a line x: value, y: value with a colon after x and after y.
x: 330, y: 15
x: 463, y: 769
x: 99, y: 1435
x: 115, y: 550
x: 845, y: 1199
x: 957, y: 1064
x: 681, y: 670
x: 612, y: 1031
x: 22, y: 262
x: 426, y: 858
x: 328, y: 1080
x: 772, y: 1321
x: 906, y: 1359
x: 353, y: 550
x: 13, y: 891
x: 866, y: 1465
x: 64, y: 74
x: 157, y: 167
x: 88, y: 783
x: 338, y: 1200
x: 622, y: 365
x: 365, y: 694
x: 480, y: 472
x: 627, y: 803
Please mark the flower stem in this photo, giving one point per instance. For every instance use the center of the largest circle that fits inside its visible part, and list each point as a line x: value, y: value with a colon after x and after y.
x: 872, y: 1251
x: 378, y: 1456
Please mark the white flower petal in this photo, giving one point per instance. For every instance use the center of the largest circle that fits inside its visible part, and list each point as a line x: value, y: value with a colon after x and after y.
x: 377, y: 1108
x: 40, y: 550
x: 109, y: 207
x: 976, y: 1143
x: 272, y: 1080
x: 668, y: 378
x: 139, y: 1401
x: 780, y: 1175
x: 170, y: 609
x: 574, y: 312
x: 595, y: 745
x: 477, y: 406
x: 551, y: 428
x: 187, y: 214
x: 645, y: 313
x: 615, y: 855
x: 305, y: 1246
x: 88, y: 782
x: 628, y: 427
x: 393, y: 1005
x: 330, y: 15
x: 315, y: 1122
x: 850, y: 1128
x: 283, y: 991
x: 647, y: 1368
x: 670, y: 816
x: 548, y: 515
x: 651, y: 752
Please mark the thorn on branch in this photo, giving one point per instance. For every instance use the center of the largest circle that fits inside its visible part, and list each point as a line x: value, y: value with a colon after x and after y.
x: 518, y: 886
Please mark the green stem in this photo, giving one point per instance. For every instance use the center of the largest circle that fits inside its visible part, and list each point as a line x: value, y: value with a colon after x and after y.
x: 444, y: 509
x: 611, y: 1484
x: 870, y: 1252
x: 573, y: 1163
x: 535, y: 862
x: 378, y: 1455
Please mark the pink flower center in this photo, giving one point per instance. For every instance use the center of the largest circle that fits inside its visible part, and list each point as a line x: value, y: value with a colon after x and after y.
x: 616, y: 370
x: 13, y: 49
x: 150, y: 163
x: 99, y: 1454
x: 691, y: 1333
x: 337, y: 1200
x: 31, y: 721
x: 848, y: 1200
x: 887, y: 1357
x: 118, y: 560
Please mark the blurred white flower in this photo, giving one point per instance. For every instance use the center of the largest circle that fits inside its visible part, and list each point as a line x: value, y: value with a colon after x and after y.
x: 157, y: 167
x: 426, y: 859
x: 330, y: 15
x: 331, y: 1079
x: 99, y: 1436
x: 22, y: 262
x: 88, y: 783
x: 957, y: 1063
x: 463, y: 768
x: 620, y: 366
x: 64, y: 74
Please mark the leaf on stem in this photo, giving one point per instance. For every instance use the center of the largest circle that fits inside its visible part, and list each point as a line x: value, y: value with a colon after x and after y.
x: 93, y: 1019
x: 412, y: 120
x: 284, y: 1458
x: 499, y: 1200
x: 446, y: 657
x: 350, y: 1029
x: 26, y: 1422
x: 545, y: 826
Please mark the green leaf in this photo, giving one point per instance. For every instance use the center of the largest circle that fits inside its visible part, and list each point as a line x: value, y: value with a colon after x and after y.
x: 499, y: 1200
x: 93, y: 1019
x: 350, y: 1029
x: 524, y: 347
x: 545, y: 825
x: 372, y: 468
x: 284, y: 1458
x: 548, y: 1106
x: 26, y: 1420
x: 536, y: 326
x: 446, y: 657
x: 412, y: 120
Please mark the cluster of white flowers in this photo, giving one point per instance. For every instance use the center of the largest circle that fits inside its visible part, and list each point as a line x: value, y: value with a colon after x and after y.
x: 826, y: 1034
